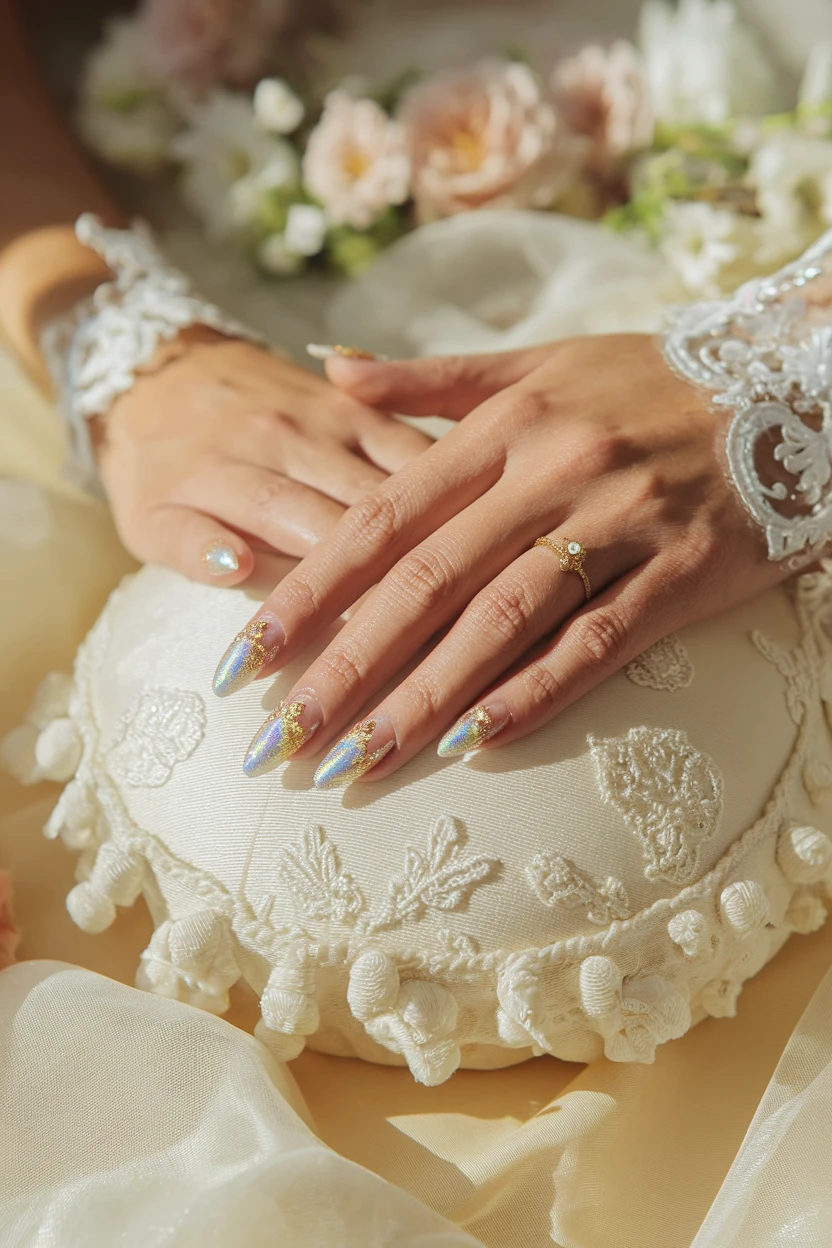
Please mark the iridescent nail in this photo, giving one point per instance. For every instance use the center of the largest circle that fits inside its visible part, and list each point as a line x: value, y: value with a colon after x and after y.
x: 284, y: 732
x: 352, y: 756
x: 220, y: 559
x: 258, y: 643
x: 475, y: 727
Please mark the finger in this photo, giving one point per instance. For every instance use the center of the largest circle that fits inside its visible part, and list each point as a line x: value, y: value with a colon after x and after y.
x: 284, y: 514
x: 391, y: 443
x: 450, y: 386
x: 525, y: 603
x: 335, y: 470
x: 426, y: 590
x: 367, y: 543
x: 597, y: 641
x: 192, y: 543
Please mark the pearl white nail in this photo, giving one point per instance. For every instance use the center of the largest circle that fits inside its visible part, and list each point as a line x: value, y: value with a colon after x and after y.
x: 220, y: 559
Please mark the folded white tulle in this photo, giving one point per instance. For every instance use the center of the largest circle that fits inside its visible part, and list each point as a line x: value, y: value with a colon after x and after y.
x: 132, y: 1120
x: 778, y: 1190
x: 494, y: 280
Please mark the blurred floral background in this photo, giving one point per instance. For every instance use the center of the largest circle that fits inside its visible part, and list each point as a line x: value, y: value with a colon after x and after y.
x: 305, y: 147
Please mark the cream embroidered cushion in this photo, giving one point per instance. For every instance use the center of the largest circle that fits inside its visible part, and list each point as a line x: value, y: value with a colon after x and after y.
x: 594, y: 888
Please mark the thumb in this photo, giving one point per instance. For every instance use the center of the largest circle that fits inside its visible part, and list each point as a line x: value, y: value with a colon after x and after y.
x: 442, y: 385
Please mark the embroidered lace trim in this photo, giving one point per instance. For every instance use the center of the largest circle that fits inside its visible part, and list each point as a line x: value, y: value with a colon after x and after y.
x: 95, y: 350
x: 766, y: 355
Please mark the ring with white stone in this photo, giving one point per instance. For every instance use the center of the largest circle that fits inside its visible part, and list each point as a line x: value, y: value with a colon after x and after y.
x: 571, y: 555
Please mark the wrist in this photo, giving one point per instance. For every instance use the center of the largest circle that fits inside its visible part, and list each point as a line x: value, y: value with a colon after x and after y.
x: 42, y: 275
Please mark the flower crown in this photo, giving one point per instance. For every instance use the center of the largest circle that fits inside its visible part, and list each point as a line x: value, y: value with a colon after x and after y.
x: 682, y: 139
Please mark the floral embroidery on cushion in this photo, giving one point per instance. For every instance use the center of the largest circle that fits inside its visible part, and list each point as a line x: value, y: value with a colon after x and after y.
x: 161, y: 728
x: 440, y: 878
x: 560, y: 884
x: 668, y: 793
x: 320, y: 887
x: 664, y: 665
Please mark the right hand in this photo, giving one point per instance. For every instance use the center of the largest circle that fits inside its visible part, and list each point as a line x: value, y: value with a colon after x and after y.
x: 226, y: 443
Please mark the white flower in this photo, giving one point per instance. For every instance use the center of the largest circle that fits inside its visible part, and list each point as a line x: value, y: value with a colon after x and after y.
x: 356, y: 164
x: 223, y: 147
x: 275, y: 257
x: 702, y: 65
x: 124, y: 114
x: 305, y: 229
x: 277, y: 107
x: 602, y: 95
x: 699, y: 241
x: 792, y: 176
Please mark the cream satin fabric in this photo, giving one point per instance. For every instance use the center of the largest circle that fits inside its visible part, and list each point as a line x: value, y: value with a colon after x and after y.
x: 606, y: 1156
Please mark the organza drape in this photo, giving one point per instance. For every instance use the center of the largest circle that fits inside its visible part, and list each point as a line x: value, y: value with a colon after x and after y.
x: 134, y: 1120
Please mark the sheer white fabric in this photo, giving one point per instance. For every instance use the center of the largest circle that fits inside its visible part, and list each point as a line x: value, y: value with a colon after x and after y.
x: 779, y: 1189
x: 133, y: 1120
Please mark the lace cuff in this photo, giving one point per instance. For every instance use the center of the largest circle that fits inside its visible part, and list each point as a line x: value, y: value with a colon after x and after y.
x: 766, y: 355
x: 95, y: 351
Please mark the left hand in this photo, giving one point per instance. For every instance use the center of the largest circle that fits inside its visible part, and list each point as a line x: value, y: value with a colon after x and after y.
x: 591, y: 439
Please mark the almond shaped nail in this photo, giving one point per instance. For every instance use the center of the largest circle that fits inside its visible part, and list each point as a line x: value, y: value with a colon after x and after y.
x: 258, y: 643
x: 288, y: 728
x: 475, y: 727
x: 352, y: 756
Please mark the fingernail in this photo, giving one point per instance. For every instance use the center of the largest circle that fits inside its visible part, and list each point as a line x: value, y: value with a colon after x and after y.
x: 356, y: 753
x: 220, y: 559
x: 325, y: 351
x: 258, y: 643
x: 285, y: 731
x: 475, y: 727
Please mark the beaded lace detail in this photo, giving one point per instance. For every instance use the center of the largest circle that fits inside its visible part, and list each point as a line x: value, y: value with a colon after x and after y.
x: 766, y: 355
x: 95, y: 351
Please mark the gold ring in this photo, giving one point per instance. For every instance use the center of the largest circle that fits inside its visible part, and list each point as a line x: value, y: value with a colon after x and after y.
x: 571, y: 555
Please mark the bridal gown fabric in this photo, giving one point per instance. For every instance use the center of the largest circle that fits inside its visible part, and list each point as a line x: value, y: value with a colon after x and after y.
x: 108, y: 1092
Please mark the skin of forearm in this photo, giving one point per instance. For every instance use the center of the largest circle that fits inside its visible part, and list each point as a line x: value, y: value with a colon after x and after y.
x: 45, y: 183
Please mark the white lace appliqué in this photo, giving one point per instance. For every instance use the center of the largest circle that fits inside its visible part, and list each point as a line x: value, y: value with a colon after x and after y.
x: 766, y: 355
x: 439, y: 878
x: 664, y: 665
x: 558, y: 883
x: 162, y: 727
x: 668, y: 794
x: 95, y: 351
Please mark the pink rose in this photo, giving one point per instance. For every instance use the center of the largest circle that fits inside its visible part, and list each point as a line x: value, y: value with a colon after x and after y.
x: 355, y: 163
x: 9, y: 937
x: 197, y: 43
x: 602, y: 95
x: 484, y: 137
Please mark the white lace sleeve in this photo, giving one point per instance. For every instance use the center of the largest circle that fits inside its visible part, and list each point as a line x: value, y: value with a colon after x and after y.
x: 766, y: 356
x: 96, y: 349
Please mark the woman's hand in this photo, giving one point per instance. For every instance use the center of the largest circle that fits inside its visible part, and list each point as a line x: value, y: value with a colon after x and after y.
x: 592, y: 440
x: 226, y: 447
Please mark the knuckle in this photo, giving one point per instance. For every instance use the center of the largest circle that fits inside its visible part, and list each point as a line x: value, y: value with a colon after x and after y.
x: 428, y: 575
x: 302, y: 596
x: 342, y: 669
x: 543, y: 687
x: 266, y: 495
x: 377, y: 519
x: 504, y: 612
x: 603, y: 635
x: 425, y: 700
